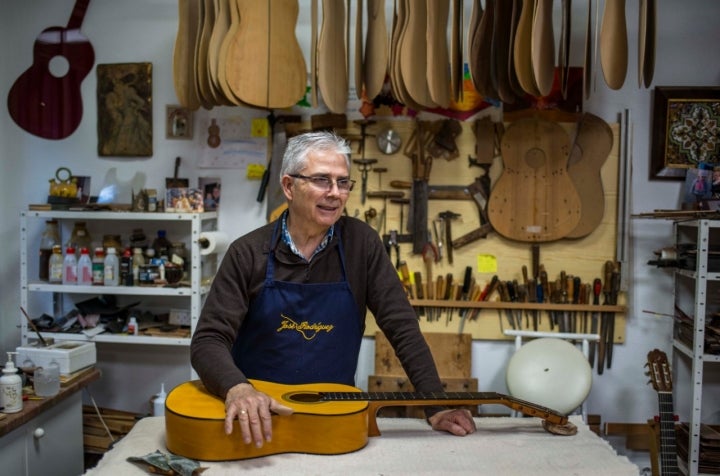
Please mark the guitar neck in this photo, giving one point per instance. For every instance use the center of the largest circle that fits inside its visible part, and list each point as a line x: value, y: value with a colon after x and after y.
x: 668, y: 451
x: 450, y: 398
x: 78, y: 14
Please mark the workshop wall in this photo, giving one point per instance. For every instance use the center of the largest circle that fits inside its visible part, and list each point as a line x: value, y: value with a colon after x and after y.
x: 144, y: 31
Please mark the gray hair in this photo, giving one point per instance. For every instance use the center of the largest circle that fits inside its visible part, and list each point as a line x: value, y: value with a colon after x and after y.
x: 298, y: 148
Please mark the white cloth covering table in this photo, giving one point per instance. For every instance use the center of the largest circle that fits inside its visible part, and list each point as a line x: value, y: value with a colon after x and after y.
x: 501, y: 446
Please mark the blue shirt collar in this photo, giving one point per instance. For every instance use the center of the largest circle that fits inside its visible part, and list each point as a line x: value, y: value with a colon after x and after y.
x: 287, y: 239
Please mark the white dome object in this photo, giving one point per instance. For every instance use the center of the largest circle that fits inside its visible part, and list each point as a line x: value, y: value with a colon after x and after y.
x: 551, y: 373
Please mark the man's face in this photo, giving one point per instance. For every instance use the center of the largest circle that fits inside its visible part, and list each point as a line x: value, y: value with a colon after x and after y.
x: 310, y: 204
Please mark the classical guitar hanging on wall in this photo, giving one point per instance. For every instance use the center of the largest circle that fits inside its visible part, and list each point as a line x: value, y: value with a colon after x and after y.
x: 46, y: 99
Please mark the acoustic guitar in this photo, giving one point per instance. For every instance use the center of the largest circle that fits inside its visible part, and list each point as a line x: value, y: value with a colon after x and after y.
x: 327, y: 418
x: 47, y: 103
x: 661, y: 379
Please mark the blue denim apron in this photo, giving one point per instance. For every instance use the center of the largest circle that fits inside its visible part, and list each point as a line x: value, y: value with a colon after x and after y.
x: 296, y: 333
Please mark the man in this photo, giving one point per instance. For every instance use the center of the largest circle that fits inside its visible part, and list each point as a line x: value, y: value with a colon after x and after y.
x: 288, y: 302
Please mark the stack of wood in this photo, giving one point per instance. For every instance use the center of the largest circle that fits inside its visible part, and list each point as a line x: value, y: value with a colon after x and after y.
x: 452, y: 355
x: 96, y: 438
x: 709, y: 446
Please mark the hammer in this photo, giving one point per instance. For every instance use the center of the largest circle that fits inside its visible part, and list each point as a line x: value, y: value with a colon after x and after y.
x: 447, y: 216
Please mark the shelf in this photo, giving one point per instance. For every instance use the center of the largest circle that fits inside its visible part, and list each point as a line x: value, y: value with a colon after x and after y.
x: 118, y: 290
x: 684, y: 349
x: 692, y: 274
x: 119, y: 215
x: 536, y: 306
x: 118, y: 339
x: 189, y: 297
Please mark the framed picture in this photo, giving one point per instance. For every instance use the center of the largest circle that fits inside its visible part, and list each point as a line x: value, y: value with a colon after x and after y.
x: 178, y: 123
x: 685, y: 130
x: 211, y: 187
x: 124, y: 99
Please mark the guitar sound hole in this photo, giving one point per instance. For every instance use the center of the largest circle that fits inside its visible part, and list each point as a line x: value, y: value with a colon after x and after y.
x: 58, y: 66
x: 305, y: 397
x: 535, y: 158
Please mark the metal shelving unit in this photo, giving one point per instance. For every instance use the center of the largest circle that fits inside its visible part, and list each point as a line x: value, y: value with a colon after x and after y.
x: 190, y: 298
x: 698, y: 232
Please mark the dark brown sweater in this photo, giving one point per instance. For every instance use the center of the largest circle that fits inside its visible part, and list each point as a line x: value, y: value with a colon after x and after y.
x: 372, y: 277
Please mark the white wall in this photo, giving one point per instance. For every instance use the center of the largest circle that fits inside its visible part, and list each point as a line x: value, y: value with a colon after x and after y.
x: 144, y: 31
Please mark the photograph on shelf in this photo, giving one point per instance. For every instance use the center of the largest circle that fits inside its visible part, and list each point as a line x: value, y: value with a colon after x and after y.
x: 211, y: 187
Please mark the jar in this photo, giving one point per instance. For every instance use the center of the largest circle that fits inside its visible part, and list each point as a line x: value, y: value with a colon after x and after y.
x: 111, y: 241
x: 177, y: 248
x: 79, y: 238
x: 138, y: 239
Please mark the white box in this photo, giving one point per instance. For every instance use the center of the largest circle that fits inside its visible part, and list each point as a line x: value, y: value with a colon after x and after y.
x: 179, y: 317
x: 70, y: 355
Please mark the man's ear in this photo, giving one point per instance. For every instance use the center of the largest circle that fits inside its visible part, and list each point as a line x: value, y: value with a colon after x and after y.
x: 286, y: 184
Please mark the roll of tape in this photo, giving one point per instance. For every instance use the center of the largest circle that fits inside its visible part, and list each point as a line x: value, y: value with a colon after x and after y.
x: 213, y: 242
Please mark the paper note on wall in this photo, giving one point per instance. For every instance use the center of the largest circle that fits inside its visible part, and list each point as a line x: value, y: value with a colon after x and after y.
x: 232, y: 142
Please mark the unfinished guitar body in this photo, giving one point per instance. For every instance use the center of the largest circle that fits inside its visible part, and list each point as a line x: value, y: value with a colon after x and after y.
x: 534, y: 199
x: 265, y: 65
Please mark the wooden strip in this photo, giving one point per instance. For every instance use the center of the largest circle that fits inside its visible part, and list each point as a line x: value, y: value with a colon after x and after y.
x: 332, y: 59
x: 614, y: 44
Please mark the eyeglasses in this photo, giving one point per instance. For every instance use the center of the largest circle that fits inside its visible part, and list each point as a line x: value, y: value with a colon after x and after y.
x: 325, y: 184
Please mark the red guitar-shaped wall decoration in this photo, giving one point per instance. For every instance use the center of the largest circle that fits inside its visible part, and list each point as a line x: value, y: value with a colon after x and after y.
x: 46, y: 104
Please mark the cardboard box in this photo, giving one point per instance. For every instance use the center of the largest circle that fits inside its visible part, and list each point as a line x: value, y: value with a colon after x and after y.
x: 70, y: 355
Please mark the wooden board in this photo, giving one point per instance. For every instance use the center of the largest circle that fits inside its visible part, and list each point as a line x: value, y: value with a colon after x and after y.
x: 494, y: 255
x: 534, y: 199
x: 332, y: 57
x: 265, y: 65
x: 451, y: 352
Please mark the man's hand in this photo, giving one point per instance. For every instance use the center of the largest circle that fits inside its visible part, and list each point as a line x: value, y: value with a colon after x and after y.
x: 458, y: 422
x: 253, y: 411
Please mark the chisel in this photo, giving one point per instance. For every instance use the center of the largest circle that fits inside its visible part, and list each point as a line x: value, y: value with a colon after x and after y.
x: 464, y: 296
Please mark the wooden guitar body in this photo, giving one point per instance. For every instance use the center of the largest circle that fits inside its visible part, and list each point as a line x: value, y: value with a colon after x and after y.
x: 265, y: 65
x: 195, y: 422
x: 328, y: 418
x: 42, y: 103
x: 534, y: 199
x: 593, y: 143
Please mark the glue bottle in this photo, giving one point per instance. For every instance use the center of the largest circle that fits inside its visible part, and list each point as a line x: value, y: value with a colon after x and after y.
x: 159, y: 402
x: 10, y: 387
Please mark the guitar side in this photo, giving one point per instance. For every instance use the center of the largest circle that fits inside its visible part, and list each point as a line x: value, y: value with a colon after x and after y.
x: 195, y: 422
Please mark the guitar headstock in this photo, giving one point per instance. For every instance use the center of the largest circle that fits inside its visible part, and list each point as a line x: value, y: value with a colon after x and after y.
x: 659, y: 371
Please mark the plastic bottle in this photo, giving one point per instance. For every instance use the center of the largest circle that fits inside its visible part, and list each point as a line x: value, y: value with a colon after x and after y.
x: 10, y: 387
x: 55, y: 265
x: 111, y: 270
x: 98, y: 267
x: 70, y: 267
x: 162, y: 245
x: 49, y: 238
x: 132, y: 327
x: 84, y: 268
x: 159, y: 402
x: 137, y: 260
x: 126, y: 268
